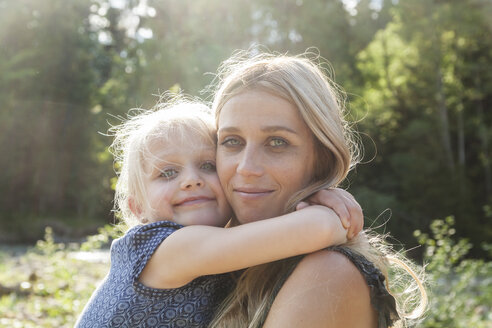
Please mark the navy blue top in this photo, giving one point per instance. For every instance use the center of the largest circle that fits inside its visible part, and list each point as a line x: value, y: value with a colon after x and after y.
x: 122, y: 301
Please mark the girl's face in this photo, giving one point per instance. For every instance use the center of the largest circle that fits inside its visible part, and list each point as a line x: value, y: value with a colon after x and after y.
x: 183, y: 185
x: 265, y: 154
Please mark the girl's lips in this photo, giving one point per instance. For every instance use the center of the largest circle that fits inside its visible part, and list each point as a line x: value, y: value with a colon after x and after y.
x: 193, y: 201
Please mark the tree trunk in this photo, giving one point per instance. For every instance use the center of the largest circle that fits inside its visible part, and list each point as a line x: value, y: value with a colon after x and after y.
x: 484, y: 141
x: 461, y: 138
x: 444, y: 120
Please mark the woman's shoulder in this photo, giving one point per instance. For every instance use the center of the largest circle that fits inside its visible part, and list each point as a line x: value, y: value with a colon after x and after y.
x: 335, y: 270
x: 328, y: 259
x: 325, y: 290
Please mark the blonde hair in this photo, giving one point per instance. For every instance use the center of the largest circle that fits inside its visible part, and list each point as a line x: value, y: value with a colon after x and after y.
x: 175, y: 120
x: 301, y: 81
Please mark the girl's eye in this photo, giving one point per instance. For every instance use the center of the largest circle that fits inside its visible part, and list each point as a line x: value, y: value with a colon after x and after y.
x: 277, y: 142
x: 231, y: 142
x: 208, y: 166
x: 168, y: 173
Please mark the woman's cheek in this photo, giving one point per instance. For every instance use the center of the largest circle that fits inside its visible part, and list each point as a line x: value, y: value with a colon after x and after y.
x: 225, y: 171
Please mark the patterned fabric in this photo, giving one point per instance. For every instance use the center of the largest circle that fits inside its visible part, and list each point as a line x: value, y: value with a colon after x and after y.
x: 122, y: 301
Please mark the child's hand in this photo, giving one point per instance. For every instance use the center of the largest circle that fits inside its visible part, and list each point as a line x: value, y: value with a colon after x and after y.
x: 343, y: 203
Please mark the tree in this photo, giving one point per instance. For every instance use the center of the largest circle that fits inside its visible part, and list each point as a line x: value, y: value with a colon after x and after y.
x: 419, y: 77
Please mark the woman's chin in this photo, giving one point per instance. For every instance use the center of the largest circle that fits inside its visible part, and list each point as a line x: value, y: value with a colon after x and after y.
x: 252, y: 215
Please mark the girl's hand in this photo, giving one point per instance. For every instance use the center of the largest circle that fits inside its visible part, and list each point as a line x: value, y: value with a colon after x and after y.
x: 343, y: 204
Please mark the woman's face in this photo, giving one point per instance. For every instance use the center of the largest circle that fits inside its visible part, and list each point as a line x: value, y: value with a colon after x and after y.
x: 265, y: 154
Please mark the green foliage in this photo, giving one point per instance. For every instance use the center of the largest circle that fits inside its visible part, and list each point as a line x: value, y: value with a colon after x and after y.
x: 422, y: 98
x: 47, y: 246
x: 47, y: 87
x: 414, y: 70
x: 103, y: 238
x: 460, y: 288
x: 49, y: 285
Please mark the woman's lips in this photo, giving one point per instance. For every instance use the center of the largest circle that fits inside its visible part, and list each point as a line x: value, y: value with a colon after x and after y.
x: 252, y: 193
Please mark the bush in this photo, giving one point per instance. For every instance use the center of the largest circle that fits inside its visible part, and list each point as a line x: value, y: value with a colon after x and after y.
x: 460, y: 289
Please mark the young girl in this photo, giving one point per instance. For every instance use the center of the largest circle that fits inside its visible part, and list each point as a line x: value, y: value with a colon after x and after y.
x: 170, y: 269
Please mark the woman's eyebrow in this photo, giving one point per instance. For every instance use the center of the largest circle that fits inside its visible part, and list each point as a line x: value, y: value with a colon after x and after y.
x: 228, y: 129
x: 277, y: 128
x: 269, y: 128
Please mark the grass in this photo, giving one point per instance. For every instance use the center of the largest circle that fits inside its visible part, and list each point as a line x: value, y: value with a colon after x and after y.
x: 49, y: 284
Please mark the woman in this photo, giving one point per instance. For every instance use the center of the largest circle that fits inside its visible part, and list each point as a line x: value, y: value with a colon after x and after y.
x: 281, y: 138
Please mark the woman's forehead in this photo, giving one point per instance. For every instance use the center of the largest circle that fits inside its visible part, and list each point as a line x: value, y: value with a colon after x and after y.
x: 261, y: 109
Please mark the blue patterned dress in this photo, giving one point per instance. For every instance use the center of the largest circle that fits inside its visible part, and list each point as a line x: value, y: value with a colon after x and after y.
x: 122, y: 301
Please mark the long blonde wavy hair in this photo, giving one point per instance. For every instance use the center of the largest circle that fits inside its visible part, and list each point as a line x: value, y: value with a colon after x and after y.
x: 301, y: 81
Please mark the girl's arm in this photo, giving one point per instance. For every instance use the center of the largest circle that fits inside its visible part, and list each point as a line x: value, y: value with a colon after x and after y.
x: 195, y: 251
x: 343, y: 203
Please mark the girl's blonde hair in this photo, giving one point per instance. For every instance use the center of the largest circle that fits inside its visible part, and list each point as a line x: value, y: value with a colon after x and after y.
x: 173, y: 121
x: 302, y: 82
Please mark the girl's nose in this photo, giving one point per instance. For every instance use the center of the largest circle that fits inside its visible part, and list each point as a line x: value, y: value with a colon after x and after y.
x: 191, y: 180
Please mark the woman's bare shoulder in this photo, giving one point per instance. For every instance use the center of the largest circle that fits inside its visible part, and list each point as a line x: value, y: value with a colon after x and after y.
x: 325, y: 290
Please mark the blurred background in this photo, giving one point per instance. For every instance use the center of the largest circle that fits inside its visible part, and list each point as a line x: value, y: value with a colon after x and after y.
x: 417, y: 74
x: 418, y: 78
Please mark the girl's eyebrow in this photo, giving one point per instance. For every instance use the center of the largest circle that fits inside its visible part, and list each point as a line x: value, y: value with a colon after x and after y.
x: 158, y: 165
x: 175, y: 158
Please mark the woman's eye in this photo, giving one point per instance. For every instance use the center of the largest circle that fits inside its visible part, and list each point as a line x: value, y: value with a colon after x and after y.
x: 231, y: 142
x: 208, y: 166
x: 168, y: 173
x: 277, y: 142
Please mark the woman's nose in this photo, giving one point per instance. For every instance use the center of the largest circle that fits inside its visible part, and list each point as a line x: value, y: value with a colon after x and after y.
x: 191, y: 180
x: 250, y: 162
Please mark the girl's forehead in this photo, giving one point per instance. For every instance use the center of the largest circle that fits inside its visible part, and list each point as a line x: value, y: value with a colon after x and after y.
x: 165, y: 149
x: 190, y: 137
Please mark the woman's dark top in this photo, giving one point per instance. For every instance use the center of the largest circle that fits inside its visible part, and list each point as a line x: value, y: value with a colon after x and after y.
x: 382, y: 301
x: 122, y: 301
